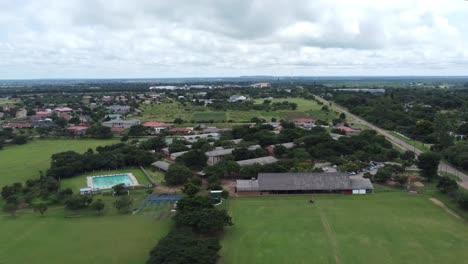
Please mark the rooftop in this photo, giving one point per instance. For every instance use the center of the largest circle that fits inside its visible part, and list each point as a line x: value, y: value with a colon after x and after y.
x: 261, y: 161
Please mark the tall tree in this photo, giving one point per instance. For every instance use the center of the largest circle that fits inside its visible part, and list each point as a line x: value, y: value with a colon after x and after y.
x: 428, y: 163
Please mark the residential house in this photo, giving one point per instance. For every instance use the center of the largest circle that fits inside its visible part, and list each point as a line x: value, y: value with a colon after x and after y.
x: 348, y: 130
x: 157, y: 126
x: 62, y: 110
x: 304, y: 122
x: 121, y: 123
x: 77, y: 131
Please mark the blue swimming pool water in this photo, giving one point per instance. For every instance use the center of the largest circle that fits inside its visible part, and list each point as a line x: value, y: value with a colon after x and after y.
x: 107, y: 182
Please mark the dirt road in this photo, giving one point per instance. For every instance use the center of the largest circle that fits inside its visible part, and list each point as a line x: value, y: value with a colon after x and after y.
x: 443, y: 167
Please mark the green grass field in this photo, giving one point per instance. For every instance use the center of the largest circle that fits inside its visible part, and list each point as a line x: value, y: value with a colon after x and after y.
x: 392, y: 227
x: 77, y: 182
x: 54, y: 239
x: 168, y: 111
x: 19, y: 163
x: 417, y: 144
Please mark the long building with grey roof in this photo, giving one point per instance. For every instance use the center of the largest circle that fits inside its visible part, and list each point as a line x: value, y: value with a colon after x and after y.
x: 323, y: 182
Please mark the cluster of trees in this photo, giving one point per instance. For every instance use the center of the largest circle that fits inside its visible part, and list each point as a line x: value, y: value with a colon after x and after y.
x: 457, y: 155
x: 100, y: 132
x: 70, y: 163
x: 195, y: 238
x: 18, y: 195
x: 389, y: 173
x: 8, y: 135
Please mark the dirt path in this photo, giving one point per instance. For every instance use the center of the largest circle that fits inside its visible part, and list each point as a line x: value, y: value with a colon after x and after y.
x: 443, y: 206
x: 331, y: 236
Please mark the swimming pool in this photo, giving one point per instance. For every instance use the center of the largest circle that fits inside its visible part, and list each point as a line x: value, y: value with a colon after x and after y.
x: 108, y: 181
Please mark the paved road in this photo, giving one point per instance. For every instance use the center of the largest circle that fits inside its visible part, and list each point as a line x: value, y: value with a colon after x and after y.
x: 443, y: 167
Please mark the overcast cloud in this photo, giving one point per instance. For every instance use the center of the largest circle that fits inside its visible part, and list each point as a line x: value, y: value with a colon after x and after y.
x: 182, y: 38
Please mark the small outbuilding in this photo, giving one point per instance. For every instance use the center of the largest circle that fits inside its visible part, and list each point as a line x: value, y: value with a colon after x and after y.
x: 161, y: 165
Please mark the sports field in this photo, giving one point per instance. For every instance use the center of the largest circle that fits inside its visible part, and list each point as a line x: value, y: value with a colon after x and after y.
x: 19, y: 163
x: 392, y: 227
x: 168, y: 111
x: 110, y: 238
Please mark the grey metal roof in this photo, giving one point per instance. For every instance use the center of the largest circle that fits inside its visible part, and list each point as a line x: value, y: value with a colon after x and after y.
x: 288, y: 145
x: 224, y: 152
x: 247, y: 185
x: 219, y: 152
x: 361, y: 183
x: 161, y: 165
x: 177, y: 154
x: 304, y: 181
x: 261, y: 161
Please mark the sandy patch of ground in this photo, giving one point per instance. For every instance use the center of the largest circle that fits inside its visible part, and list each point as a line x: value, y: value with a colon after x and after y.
x: 443, y: 206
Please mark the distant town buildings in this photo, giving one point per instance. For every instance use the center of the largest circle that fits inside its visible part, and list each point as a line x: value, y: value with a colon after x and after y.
x: 237, y: 98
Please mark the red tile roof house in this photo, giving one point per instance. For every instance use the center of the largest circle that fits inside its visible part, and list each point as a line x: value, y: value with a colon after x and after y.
x: 63, y: 110
x: 17, y: 125
x: 348, y: 131
x: 43, y: 114
x: 304, y: 122
x: 157, y: 126
x: 78, y: 130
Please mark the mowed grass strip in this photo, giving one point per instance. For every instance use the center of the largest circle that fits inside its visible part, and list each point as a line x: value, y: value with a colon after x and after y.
x: 23, y: 162
x: 380, y: 228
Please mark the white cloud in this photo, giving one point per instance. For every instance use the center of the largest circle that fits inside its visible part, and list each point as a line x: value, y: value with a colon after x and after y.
x: 147, y: 38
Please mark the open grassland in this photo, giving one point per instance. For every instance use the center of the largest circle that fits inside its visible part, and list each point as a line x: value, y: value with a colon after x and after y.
x: 19, y: 163
x: 55, y: 239
x: 392, y: 227
x: 77, y: 182
x: 168, y: 111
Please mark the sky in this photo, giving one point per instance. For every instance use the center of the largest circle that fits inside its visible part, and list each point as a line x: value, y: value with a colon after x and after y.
x: 210, y: 38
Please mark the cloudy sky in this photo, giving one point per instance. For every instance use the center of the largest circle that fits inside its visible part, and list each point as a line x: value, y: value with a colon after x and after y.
x: 187, y: 38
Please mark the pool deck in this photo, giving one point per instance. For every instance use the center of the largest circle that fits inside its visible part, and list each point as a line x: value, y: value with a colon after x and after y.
x: 90, y: 183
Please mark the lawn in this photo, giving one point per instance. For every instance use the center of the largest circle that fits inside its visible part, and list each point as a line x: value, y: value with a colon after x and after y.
x: 19, y: 163
x: 391, y: 227
x: 79, y: 181
x: 168, y: 111
x: 54, y: 239
x: 208, y: 116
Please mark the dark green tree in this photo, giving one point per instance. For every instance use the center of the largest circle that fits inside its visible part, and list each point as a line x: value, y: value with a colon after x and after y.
x: 41, y: 208
x: 123, y: 204
x: 98, y: 206
x: 428, y: 163
x: 177, y: 174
